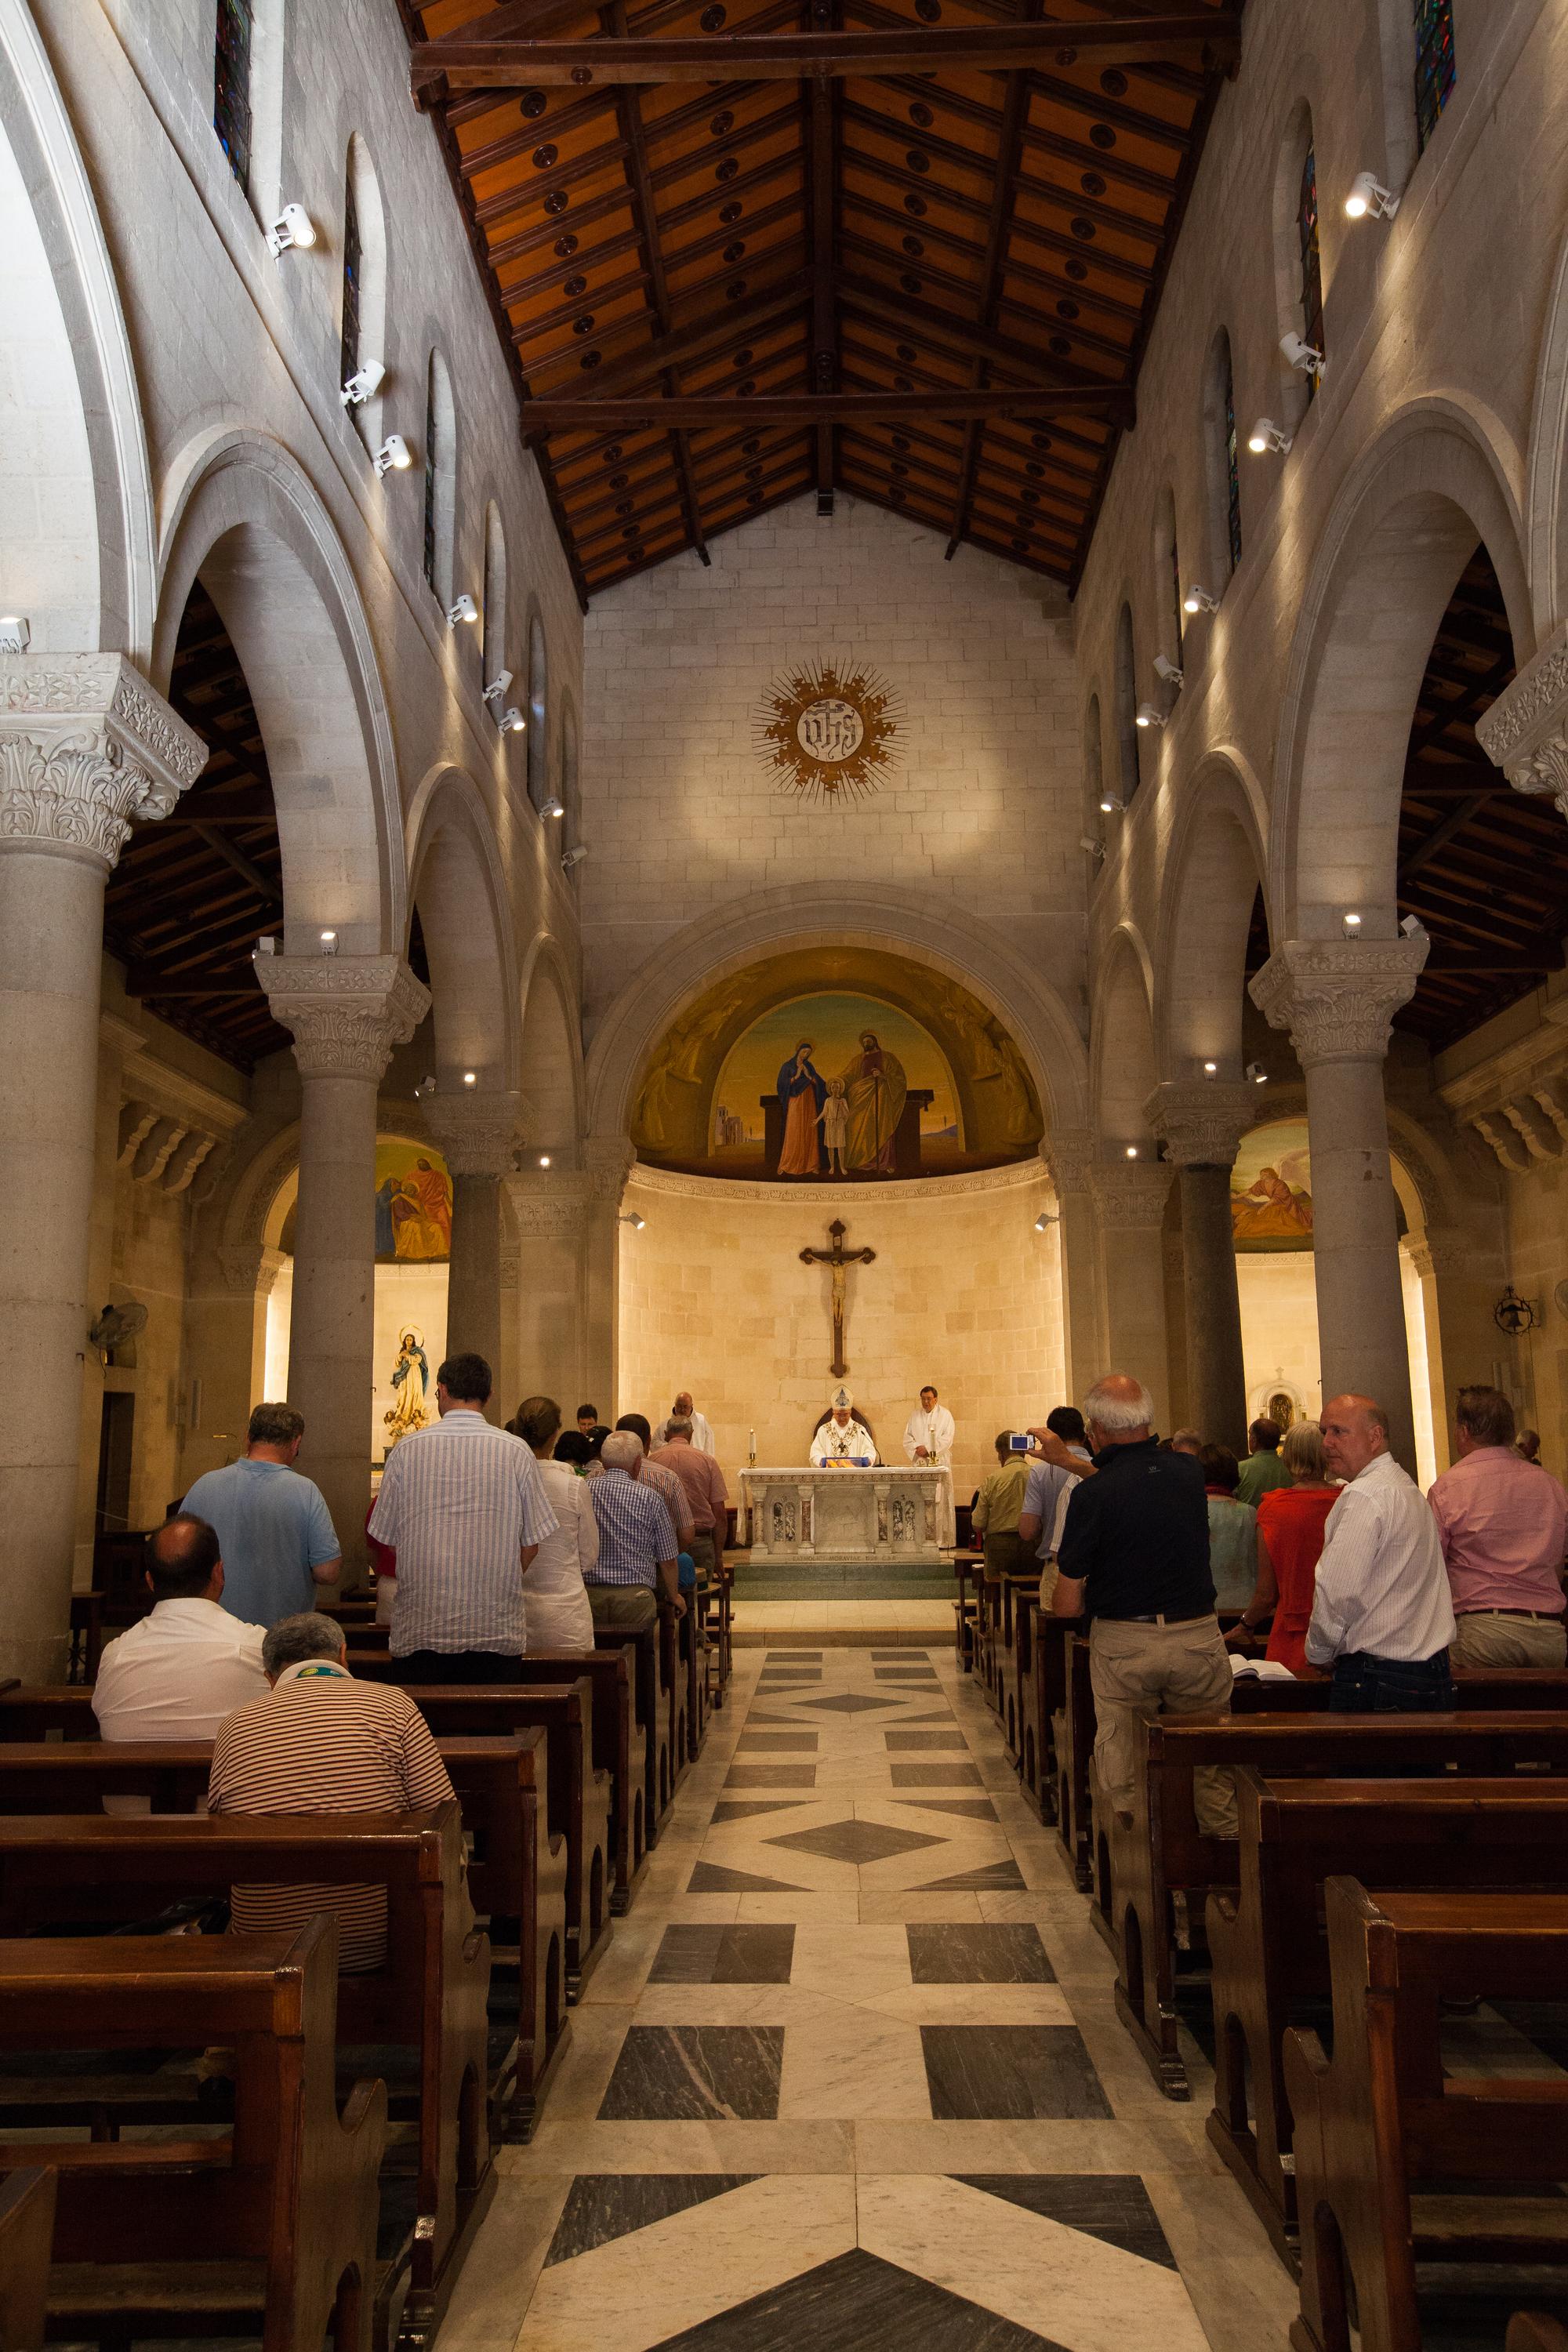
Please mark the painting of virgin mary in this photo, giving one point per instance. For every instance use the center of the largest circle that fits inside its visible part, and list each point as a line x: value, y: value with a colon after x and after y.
x: 802, y: 1092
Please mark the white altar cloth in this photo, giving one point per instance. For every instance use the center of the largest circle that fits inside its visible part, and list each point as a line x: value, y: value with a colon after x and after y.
x: 898, y: 1513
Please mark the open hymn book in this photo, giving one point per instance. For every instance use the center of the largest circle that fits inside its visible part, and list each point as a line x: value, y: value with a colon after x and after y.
x: 1268, y: 1670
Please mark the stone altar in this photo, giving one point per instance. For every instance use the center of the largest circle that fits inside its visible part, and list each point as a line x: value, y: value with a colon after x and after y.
x: 892, y: 1515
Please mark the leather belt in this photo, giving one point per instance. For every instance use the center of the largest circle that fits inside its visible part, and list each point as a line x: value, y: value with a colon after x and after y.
x: 1541, y: 1616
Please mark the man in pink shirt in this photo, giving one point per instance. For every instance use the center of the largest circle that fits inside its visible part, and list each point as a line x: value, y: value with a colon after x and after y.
x: 1503, y: 1523
x: 703, y: 1482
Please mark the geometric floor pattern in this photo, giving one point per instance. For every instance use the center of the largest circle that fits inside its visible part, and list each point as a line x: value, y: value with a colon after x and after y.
x: 849, y: 2078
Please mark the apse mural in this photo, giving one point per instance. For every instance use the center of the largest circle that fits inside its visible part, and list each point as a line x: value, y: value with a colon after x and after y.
x: 413, y: 1204
x: 1271, y: 1189
x: 843, y: 1070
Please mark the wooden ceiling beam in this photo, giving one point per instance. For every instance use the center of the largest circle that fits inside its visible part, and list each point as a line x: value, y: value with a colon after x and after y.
x: 695, y: 411
x: 931, y: 232
x: 461, y: 62
x: 1009, y: 143
x: 822, y: 194
x: 702, y: 337
x: 907, y: 311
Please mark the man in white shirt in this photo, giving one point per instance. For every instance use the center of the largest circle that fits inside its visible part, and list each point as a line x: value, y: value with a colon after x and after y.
x: 929, y: 1433
x: 1381, y: 1615
x: 179, y: 1673
x: 1050, y: 1490
x: 683, y: 1410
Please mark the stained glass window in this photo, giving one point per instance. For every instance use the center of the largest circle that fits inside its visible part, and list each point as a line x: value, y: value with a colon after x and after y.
x: 432, y: 462
x: 231, y: 86
x: 353, y: 265
x: 1433, y: 63
x: 1232, y: 470
x: 1311, y: 260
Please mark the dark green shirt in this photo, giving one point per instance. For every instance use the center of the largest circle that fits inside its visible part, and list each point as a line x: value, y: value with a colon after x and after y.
x: 1259, y: 1474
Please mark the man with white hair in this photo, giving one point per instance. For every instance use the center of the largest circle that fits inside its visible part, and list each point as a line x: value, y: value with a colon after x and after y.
x: 1382, y: 1615
x: 638, y: 1572
x: 1135, y: 1554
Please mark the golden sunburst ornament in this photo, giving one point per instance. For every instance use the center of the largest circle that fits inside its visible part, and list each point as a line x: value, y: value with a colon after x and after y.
x: 830, y: 729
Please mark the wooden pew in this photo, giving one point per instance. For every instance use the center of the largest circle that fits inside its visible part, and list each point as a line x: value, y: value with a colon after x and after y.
x: 269, y: 2229
x: 1021, y: 1595
x: 1152, y: 1854
x: 579, y: 1791
x: 1047, y: 1701
x: 516, y: 1870
x: 1535, y: 2331
x: 1456, y: 1832
x: 652, y: 1713
x: 26, y: 2236
x: 429, y: 1997
x: 1379, y: 2126
x: 965, y: 1569
x: 1073, y: 1733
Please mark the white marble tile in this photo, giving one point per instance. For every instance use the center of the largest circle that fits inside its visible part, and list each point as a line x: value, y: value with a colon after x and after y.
x: 572, y: 2145
x: 959, y: 1903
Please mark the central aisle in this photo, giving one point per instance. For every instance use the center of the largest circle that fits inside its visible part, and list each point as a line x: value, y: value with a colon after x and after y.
x: 850, y: 2075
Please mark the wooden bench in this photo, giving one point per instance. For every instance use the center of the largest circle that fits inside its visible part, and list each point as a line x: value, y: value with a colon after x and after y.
x: 268, y: 2228
x: 1021, y: 1598
x: 1153, y: 1855
x: 1073, y: 1730
x: 965, y: 1569
x: 653, y: 1713
x: 1454, y: 1833
x: 428, y: 1998
x: 1378, y: 2126
x: 517, y: 1871
x: 1534, y: 2331
x: 27, y: 2237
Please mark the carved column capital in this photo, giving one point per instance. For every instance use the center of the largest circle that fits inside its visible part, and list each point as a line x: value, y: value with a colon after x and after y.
x: 1525, y: 732
x: 1068, y: 1155
x: 345, y: 1014
x: 1338, y: 997
x: 549, y: 1204
x: 479, y: 1134
x: 1443, y: 1250
x: 1201, y: 1121
x: 1130, y: 1196
x: 86, y: 749
x: 250, y: 1266
x: 609, y: 1160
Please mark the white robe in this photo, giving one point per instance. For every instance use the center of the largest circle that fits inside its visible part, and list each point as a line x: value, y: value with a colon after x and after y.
x: 851, y: 1443
x: 701, y: 1436
x: 934, y: 1431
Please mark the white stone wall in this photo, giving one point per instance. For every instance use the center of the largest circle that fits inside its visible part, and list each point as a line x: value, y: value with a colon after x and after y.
x: 683, y: 818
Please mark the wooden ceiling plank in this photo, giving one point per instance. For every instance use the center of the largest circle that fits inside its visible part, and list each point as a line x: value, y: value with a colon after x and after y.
x: 690, y: 413
x: 1009, y: 142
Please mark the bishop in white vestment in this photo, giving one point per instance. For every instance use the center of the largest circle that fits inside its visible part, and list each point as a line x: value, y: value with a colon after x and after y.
x: 843, y: 1437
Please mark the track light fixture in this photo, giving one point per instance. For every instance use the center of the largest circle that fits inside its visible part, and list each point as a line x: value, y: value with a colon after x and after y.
x: 1266, y: 436
x: 1211, y: 1070
x: 1046, y: 1219
x: 1110, y: 806
x: 496, y: 688
x: 1255, y: 1072
x: 632, y: 1219
x: 1368, y: 194
x: 465, y: 609
x: 571, y: 857
x: 511, y: 720
x: 552, y: 807
x: 15, y: 633
x: 1413, y: 926
x: 1350, y: 926
x: 1171, y: 672
x: 1149, y: 716
x: 329, y: 942
x: 1302, y: 354
x: 293, y: 226
x: 1132, y: 1151
x: 393, y: 456
x: 1091, y: 847
x: 363, y: 384
x: 1198, y: 600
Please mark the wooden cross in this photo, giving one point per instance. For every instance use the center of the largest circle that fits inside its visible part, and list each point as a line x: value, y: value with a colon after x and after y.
x: 840, y: 1260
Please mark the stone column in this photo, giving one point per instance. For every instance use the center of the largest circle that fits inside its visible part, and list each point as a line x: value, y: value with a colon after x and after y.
x: 479, y: 1135
x: 345, y: 1015
x: 609, y: 1161
x: 1200, y: 1123
x: 1525, y: 732
x: 1130, y: 1198
x: 1338, y: 998
x: 549, y: 1207
x: 1067, y: 1157
x: 86, y: 750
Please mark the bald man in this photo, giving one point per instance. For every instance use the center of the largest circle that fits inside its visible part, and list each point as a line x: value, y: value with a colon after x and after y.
x: 1381, y: 1615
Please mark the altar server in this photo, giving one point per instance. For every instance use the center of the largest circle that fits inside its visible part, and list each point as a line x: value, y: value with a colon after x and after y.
x: 929, y: 1433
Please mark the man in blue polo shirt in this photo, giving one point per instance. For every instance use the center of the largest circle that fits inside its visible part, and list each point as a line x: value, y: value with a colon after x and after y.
x: 274, y: 1528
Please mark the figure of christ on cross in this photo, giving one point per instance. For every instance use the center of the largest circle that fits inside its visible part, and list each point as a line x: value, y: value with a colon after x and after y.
x: 840, y: 1260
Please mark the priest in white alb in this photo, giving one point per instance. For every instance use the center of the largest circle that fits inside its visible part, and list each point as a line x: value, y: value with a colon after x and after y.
x: 928, y: 1439
x: 842, y: 1438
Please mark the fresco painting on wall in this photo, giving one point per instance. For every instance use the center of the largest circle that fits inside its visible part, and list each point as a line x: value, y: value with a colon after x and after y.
x: 413, y: 1204
x: 841, y: 1065
x: 1271, y: 1189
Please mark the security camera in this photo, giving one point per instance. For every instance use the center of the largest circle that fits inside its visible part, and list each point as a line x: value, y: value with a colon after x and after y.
x: 1266, y: 435
x: 573, y: 857
x: 363, y: 384
x: 292, y: 227
x: 1170, y: 672
x: 498, y: 685
x: 1148, y: 715
x: 394, y: 456
x: 465, y: 609
x: 1302, y: 354
x: 1368, y: 194
x: 1198, y: 600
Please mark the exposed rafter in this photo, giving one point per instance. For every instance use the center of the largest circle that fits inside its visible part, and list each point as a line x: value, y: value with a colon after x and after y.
x: 1035, y: 402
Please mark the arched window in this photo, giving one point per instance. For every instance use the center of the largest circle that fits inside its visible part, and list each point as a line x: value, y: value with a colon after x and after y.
x: 351, y: 345
x: 1126, y: 707
x: 440, y: 482
x: 1093, y: 772
x: 1311, y: 259
x: 570, y: 822
x: 495, y: 594
x: 1433, y: 64
x: 231, y: 85
x: 364, y: 337
x: 538, y: 717
x: 1222, y: 443
x: 1168, y: 577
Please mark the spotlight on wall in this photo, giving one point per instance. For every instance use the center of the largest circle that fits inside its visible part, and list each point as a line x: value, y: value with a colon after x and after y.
x: 1255, y: 1072
x: 573, y: 857
x: 1171, y: 672
x: 1413, y: 926
x: 1368, y: 194
x: 1351, y: 925
x: 1302, y: 354
x: 552, y: 807
x: 1198, y: 600
x: 15, y: 633
x: 1110, y: 806
x: 470, y: 1078
x: 1091, y: 847
x: 1132, y: 1151
x: 465, y: 609
x: 1045, y: 1220
x: 329, y: 942
x: 1148, y: 715
x: 1266, y: 436
x: 266, y: 945
x: 292, y: 227
x: 426, y: 1087
x: 393, y: 456
x: 496, y: 690
x: 545, y: 1159
x: 511, y: 720
x: 363, y: 384
x: 632, y: 1219
x: 1211, y: 1070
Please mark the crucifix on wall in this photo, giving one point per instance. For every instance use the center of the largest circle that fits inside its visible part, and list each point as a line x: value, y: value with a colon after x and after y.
x: 839, y: 1260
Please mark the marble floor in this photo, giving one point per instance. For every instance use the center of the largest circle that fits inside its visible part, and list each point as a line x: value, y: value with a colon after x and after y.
x: 849, y: 2075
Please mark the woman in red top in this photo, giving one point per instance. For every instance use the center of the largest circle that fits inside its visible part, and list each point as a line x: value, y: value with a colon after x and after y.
x: 1290, y: 1522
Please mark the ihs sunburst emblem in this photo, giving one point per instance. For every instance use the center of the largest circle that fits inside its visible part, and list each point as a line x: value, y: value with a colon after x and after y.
x: 829, y: 728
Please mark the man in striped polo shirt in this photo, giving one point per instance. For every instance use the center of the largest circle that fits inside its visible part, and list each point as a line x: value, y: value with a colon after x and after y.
x: 637, y: 1572
x: 464, y: 1508
x: 321, y: 1742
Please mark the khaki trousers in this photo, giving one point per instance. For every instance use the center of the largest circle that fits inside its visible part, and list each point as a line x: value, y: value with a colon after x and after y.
x: 699, y: 1551
x: 1483, y: 1639
x: 1142, y: 1672
x: 624, y: 1606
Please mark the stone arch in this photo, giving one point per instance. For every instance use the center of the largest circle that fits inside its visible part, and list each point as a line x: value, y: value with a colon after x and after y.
x: 1546, y: 497
x: 243, y: 515
x: 551, y: 1056
x: 1435, y: 484
x: 458, y: 883
x: 773, y: 921
x: 1215, y: 867
x: 1121, y: 1049
x: 87, y: 581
